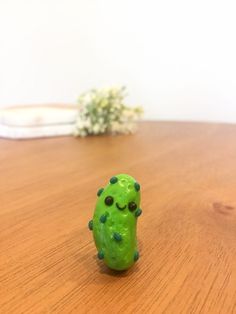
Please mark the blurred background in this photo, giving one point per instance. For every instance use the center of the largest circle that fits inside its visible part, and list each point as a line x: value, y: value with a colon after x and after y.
x: 177, y: 58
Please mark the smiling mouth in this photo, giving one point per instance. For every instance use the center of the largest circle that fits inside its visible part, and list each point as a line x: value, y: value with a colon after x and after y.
x: 119, y: 207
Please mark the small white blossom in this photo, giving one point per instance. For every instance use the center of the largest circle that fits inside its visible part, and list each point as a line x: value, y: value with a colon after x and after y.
x: 96, y: 128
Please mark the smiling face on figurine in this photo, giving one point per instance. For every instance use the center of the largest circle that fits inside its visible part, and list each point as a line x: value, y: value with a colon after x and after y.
x: 114, y: 222
x: 121, y: 194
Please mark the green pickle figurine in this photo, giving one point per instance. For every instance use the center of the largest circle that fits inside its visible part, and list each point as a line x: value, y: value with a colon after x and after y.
x: 114, y: 222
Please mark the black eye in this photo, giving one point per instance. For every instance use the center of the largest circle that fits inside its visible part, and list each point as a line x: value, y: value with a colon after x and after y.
x: 109, y: 200
x: 132, y: 206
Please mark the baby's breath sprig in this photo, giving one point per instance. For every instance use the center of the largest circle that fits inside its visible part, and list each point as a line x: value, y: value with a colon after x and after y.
x: 103, y: 111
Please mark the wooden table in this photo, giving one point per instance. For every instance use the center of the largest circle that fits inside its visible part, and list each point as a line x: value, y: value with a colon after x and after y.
x: 187, y: 233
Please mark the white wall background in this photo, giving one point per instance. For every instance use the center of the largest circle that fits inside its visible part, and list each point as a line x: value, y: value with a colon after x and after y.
x: 177, y: 57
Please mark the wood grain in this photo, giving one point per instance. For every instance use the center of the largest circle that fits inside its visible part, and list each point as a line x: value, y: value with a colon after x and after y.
x: 187, y: 233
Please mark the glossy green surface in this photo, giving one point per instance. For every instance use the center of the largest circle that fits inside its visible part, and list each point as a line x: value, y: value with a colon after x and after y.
x: 114, y: 222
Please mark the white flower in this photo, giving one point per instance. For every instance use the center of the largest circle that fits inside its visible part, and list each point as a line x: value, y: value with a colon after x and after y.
x: 96, y: 128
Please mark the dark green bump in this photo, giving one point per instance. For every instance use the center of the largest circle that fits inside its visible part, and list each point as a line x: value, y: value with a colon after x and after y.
x: 100, y: 255
x: 136, y: 256
x: 99, y: 192
x: 103, y: 218
x: 117, y: 236
x: 90, y: 225
x: 138, y: 212
x: 137, y: 186
x: 113, y: 180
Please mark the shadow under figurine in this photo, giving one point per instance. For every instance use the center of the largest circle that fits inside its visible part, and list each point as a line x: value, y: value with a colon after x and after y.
x: 114, y: 222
